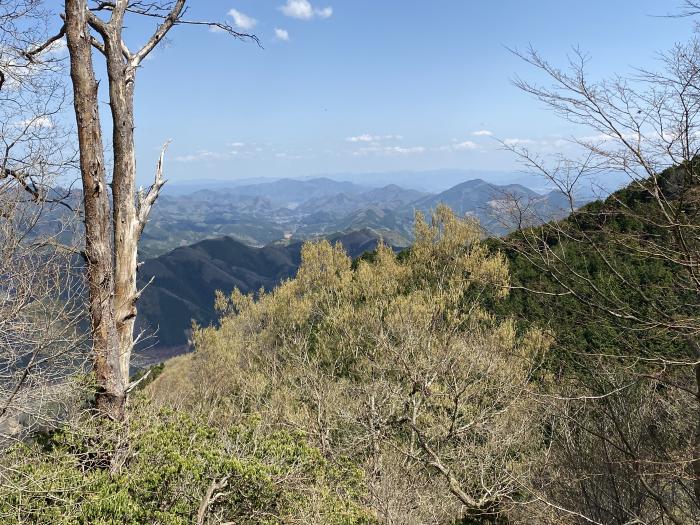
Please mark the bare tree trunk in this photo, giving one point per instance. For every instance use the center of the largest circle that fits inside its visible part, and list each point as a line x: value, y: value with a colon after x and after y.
x: 112, y: 235
x: 111, y: 393
x: 127, y: 230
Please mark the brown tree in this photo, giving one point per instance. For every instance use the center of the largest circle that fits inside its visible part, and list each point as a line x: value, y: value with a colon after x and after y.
x: 114, y: 220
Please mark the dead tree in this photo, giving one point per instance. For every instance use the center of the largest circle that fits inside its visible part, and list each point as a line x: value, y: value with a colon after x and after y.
x: 113, y: 229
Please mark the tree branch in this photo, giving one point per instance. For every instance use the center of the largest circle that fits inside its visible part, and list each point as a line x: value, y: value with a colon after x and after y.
x: 210, y: 498
x: 32, y: 53
x: 160, y: 33
x: 146, y: 200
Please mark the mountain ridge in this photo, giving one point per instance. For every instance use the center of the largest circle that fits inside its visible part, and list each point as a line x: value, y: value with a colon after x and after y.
x: 183, y: 282
x: 259, y: 214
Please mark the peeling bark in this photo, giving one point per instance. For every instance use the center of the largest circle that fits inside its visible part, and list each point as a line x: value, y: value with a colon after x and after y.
x: 110, y: 396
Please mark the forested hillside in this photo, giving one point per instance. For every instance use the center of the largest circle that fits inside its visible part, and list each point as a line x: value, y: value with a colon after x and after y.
x: 185, y: 281
x: 348, y: 354
x: 409, y: 375
x: 409, y: 336
x: 600, y: 268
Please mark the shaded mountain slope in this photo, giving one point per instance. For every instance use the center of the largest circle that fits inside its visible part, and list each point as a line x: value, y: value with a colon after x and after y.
x: 186, y: 279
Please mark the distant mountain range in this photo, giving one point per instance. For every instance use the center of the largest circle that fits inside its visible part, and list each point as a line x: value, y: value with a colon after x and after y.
x: 280, y: 215
x: 436, y: 181
x: 431, y: 181
x: 260, y: 213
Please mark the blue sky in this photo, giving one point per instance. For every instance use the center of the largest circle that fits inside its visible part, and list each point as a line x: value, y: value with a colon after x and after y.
x: 372, y: 85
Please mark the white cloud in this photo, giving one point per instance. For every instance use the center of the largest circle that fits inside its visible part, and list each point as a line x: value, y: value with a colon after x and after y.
x: 282, y: 34
x: 518, y: 142
x: 237, y: 144
x: 389, y: 150
x: 58, y: 47
x: 467, y: 144
x: 459, y: 146
x: 298, y: 9
x: 325, y: 12
x: 185, y: 158
x: 482, y: 133
x: 365, y: 137
x: 202, y: 155
x: 242, y: 21
x: 36, y: 122
x: 552, y: 143
x: 604, y: 137
x: 303, y: 10
x: 405, y: 151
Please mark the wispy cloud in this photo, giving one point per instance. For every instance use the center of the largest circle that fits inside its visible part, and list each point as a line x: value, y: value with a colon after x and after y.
x: 389, y: 150
x: 482, y: 133
x: 242, y: 21
x: 405, y: 151
x: 202, y: 155
x: 464, y: 145
x: 519, y: 142
x: 36, y: 122
x: 545, y: 144
x: 325, y: 12
x: 604, y: 137
x: 366, y: 137
x: 303, y: 10
x: 282, y: 34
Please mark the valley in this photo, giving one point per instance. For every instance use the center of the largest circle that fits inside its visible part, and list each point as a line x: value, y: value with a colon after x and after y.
x: 249, y: 237
x: 293, y: 210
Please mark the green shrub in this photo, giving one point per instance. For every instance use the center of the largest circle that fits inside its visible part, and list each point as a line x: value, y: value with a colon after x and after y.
x: 171, y: 462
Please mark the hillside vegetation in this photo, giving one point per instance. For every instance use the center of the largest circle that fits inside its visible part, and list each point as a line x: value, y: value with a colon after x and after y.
x: 609, y: 284
x: 183, y: 283
x: 392, y: 368
x: 426, y: 386
x: 394, y: 365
